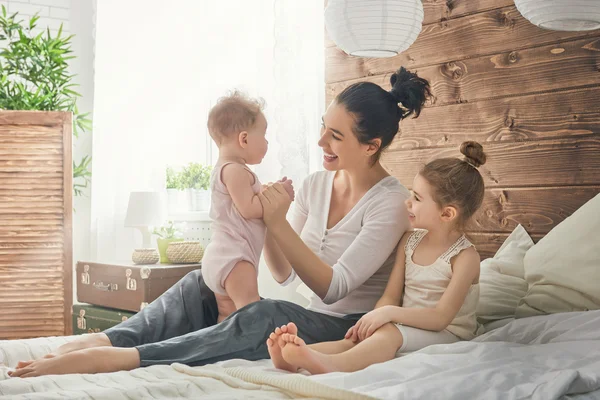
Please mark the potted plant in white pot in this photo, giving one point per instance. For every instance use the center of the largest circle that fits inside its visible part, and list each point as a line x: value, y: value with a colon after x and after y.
x: 174, y: 192
x: 195, y: 181
x: 202, y: 188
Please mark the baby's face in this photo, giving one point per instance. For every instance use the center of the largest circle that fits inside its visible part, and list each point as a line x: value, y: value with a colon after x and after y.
x: 257, y: 141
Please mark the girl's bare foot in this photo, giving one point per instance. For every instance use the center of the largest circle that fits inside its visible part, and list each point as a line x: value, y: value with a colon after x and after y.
x: 86, y: 361
x: 297, y: 353
x: 275, y: 344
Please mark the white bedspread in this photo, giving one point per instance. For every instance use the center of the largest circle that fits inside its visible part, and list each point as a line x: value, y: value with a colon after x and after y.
x: 542, y: 358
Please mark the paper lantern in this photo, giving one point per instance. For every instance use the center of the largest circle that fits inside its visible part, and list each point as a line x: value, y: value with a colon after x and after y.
x: 562, y: 15
x: 374, y: 28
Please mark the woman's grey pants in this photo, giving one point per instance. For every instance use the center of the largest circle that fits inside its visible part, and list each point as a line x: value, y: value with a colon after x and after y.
x: 180, y: 326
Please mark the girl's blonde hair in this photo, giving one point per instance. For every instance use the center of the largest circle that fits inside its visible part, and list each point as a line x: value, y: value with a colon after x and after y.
x: 457, y: 182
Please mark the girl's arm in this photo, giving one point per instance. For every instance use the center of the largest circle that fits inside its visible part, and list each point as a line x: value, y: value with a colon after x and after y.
x: 239, y: 185
x: 392, y: 296
x: 465, y: 272
x: 384, y: 223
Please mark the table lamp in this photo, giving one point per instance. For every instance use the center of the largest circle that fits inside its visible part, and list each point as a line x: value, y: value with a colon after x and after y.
x: 145, y: 209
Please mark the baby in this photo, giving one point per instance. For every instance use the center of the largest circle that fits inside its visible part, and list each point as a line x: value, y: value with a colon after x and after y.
x: 230, y: 263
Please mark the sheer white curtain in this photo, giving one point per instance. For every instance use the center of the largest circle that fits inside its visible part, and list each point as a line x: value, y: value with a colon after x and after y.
x: 159, y: 67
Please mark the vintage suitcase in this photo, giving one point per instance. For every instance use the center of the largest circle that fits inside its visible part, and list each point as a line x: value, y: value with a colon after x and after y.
x: 124, y: 285
x: 88, y: 318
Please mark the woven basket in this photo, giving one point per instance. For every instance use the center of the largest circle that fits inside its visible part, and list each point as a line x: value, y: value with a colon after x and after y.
x: 185, y: 252
x: 145, y: 256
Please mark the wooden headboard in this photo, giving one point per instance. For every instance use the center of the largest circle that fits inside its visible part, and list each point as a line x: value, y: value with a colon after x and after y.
x: 530, y: 96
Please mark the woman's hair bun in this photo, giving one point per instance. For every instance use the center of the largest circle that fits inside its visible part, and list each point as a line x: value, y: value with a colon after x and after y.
x: 410, y: 90
x: 473, y: 153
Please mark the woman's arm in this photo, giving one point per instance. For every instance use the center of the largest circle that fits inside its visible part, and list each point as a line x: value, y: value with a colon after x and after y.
x: 384, y: 223
x: 280, y: 267
x: 465, y: 270
x: 392, y: 296
x: 239, y: 185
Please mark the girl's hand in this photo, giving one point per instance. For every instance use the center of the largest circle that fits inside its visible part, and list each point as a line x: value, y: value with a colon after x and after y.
x: 352, y: 334
x: 372, y: 321
x: 276, y: 202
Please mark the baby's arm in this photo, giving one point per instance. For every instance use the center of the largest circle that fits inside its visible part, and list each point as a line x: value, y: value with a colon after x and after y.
x: 239, y: 184
x: 465, y: 272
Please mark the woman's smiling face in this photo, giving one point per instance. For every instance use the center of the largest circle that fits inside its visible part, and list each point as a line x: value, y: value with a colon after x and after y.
x: 340, y: 146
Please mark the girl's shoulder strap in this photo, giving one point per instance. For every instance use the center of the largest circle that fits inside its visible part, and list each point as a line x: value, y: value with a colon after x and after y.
x: 458, y: 246
x: 413, y: 241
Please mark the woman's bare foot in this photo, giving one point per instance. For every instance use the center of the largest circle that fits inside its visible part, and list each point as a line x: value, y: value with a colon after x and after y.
x: 275, y: 344
x: 297, y: 353
x: 86, y: 361
x: 85, y: 342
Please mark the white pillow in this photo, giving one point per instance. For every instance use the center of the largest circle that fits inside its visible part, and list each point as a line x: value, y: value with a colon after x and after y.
x: 501, y: 280
x: 563, y: 268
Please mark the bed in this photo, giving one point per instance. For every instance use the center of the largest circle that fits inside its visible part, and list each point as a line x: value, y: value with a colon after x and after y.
x: 542, y: 357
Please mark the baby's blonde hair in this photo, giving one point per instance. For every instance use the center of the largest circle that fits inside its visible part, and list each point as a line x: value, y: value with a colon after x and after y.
x: 233, y: 114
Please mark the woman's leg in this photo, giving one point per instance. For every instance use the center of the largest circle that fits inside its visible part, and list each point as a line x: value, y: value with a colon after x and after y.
x: 379, y: 347
x: 92, y: 360
x: 187, y: 306
x: 243, y: 335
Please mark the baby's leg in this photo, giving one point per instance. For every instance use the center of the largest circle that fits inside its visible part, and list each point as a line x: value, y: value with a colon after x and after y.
x: 379, y: 347
x: 241, y: 284
x: 225, y: 306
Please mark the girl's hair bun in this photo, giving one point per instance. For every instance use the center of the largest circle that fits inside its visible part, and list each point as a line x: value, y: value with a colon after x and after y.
x: 473, y: 153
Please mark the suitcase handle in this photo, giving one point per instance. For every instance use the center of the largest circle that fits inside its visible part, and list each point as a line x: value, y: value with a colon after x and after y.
x: 106, y: 287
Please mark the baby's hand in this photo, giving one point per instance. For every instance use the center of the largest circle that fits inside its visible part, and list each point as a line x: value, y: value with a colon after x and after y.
x: 288, y: 186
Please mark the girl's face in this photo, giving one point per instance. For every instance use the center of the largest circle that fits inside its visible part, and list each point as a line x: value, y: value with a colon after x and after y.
x: 341, y: 148
x: 423, y: 211
x: 257, y: 142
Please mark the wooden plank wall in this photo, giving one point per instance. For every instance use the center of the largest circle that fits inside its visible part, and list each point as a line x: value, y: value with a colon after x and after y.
x: 530, y: 96
x: 35, y: 224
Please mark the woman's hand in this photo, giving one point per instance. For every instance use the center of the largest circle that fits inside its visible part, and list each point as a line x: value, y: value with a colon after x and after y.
x: 276, y: 202
x: 370, y: 322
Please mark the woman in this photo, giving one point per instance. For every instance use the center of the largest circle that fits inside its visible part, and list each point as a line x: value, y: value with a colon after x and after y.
x: 350, y: 219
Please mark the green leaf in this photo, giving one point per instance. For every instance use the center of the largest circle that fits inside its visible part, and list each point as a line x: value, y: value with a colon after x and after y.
x: 34, y: 75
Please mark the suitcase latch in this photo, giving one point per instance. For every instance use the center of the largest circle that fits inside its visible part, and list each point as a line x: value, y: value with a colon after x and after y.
x: 81, y: 320
x: 131, y: 283
x: 85, y: 275
x: 106, y: 287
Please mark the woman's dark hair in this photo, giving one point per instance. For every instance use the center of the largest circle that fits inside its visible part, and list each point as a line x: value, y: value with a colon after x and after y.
x: 458, y: 182
x: 378, y: 112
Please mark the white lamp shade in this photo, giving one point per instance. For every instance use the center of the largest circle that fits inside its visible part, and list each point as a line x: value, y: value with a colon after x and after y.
x: 561, y: 15
x: 374, y: 28
x: 146, y: 209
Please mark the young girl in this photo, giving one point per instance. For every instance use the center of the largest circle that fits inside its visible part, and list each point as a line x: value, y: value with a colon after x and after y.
x: 230, y: 263
x: 438, y: 271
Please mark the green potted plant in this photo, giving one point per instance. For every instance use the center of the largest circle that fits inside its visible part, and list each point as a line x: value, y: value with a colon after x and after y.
x: 176, y: 202
x: 34, y: 75
x: 202, y: 188
x: 195, y: 181
x: 166, y: 234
